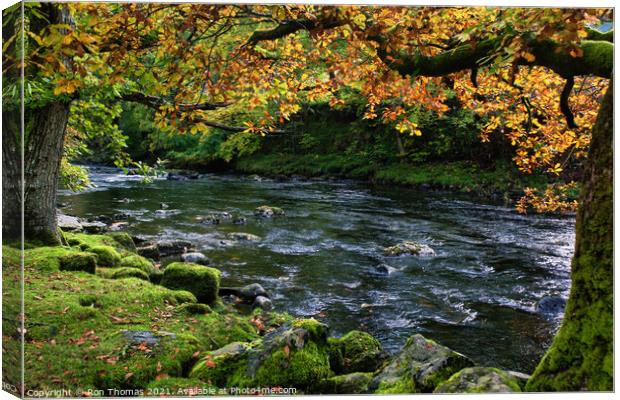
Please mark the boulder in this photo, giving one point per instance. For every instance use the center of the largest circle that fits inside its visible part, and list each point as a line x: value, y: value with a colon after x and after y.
x: 384, y: 269
x: 419, y: 367
x: 242, y: 236
x: 82, y: 261
x: 107, y: 256
x: 202, y: 281
x: 294, y: 355
x: 262, y: 302
x: 194, y: 308
x: 68, y: 223
x: 124, y: 240
x: 356, y: 352
x: 138, y: 262
x: 247, y: 293
x: 94, y: 227
x: 149, y: 251
x: 268, y: 211
x: 354, y: 383
x: 209, y: 220
x: 412, y: 248
x: 196, y: 258
x: 239, y: 221
x: 126, y: 272
x: 479, y: 380
x: 118, y: 226
x: 173, y: 247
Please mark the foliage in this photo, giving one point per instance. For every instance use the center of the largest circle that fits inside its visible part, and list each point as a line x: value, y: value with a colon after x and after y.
x: 73, y: 177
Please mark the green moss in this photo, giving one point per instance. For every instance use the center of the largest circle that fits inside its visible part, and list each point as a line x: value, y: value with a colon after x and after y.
x: 202, y: 281
x: 179, y: 387
x: 317, y: 330
x: 356, y: 352
x: 80, y: 261
x: 124, y: 240
x: 125, y: 272
x: 219, y: 366
x: 301, y: 368
x: 107, y: 256
x: 139, y: 262
x: 354, y: 383
x: 181, y: 297
x: 194, y: 308
x: 479, y: 380
x: 156, y: 276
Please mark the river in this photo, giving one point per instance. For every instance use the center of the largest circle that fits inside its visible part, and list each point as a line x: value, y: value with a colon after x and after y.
x: 477, y: 295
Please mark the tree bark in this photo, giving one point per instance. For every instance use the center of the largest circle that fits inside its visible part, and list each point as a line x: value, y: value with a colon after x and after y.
x: 11, y: 176
x: 581, y: 356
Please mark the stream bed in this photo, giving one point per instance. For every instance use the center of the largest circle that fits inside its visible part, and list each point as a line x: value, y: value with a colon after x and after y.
x: 477, y: 295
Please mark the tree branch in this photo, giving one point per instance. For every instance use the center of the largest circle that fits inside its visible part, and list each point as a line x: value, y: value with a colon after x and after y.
x: 564, y: 106
x: 231, y: 128
x: 289, y: 27
x: 157, y: 102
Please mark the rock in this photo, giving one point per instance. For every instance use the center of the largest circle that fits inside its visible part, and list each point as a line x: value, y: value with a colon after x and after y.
x: 124, y: 240
x: 263, y: 303
x: 479, y: 380
x: 163, y: 206
x: 268, y: 212
x: 151, y: 339
x: 81, y: 261
x: 124, y: 200
x: 151, y: 251
x: 175, y: 177
x: 181, y: 175
x: 239, y: 221
x: 126, y: 272
x: 209, y: 220
x: 121, y: 217
x: 118, y: 226
x: 102, y: 218
x: 138, y: 239
x: 107, y: 256
x: 173, y: 247
x: 156, y: 276
x: 194, y: 308
x: 202, y: 281
x: 94, y: 227
x: 419, y: 367
x: 247, y: 293
x: 139, y: 262
x: 384, y: 269
x: 551, y: 306
x: 354, y: 383
x: 520, y: 377
x: 294, y: 355
x: 68, y: 223
x: 242, y: 236
x: 413, y: 248
x: 356, y: 352
x: 196, y: 258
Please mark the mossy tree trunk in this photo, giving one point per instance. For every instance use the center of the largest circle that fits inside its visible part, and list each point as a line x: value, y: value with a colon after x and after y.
x: 581, y: 356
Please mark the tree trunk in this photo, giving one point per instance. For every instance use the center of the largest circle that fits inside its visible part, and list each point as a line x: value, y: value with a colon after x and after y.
x: 581, y: 356
x: 11, y: 176
x: 41, y: 169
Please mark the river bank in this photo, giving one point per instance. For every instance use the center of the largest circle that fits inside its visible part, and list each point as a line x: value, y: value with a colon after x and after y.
x: 98, y: 324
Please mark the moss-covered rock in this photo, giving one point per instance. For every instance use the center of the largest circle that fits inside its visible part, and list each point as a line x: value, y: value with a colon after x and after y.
x: 203, y: 282
x: 412, y: 248
x: 356, y: 352
x: 139, y: 262
x: 126, y: 272
x: 354, y: 383
x: 124, y: 240
x: 147, y: 355
x: 107, y: 256
x: 295, y: 355
x: 156, y: 276
x: 80, y: 261
x: 181, y: 297
x: 420, y: 366
x: 194, y: 308
x: 268, y: 211
x: 479, y: 380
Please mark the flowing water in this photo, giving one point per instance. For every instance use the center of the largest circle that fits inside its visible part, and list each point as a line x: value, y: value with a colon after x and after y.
x: 477, y: 295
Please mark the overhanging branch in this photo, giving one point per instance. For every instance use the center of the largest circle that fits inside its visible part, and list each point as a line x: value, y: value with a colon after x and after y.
x: 157, y: 102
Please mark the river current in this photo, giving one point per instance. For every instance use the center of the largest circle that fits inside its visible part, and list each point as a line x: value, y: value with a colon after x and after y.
x: 477, y: 295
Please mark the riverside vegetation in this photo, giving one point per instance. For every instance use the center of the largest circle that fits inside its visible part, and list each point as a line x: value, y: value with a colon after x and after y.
x: 97, y: 322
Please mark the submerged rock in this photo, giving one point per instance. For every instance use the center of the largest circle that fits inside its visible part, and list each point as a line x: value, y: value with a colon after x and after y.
x: 479, y: 380
x: 150, y: 251
x: 196, y: 258
x: 247, y: 293
x: 413, y: 248
x: 384, y: 269
x: 243, y: 236
x: 551, y: 306
x: 419, y: 367
x: 239, y: 221
x: 173, y: 247
x: 268, y: 211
